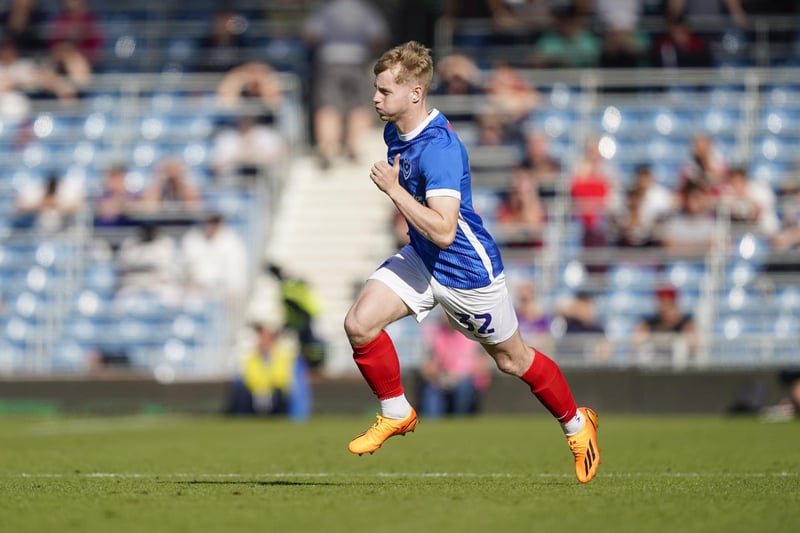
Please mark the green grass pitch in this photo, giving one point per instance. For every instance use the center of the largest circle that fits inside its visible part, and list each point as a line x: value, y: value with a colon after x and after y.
x: 495, y: 474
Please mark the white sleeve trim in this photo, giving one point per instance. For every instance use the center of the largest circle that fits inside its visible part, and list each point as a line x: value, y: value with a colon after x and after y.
x: 443, y: 192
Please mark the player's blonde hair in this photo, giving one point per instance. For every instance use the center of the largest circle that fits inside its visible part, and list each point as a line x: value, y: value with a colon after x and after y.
x: 415, y: 63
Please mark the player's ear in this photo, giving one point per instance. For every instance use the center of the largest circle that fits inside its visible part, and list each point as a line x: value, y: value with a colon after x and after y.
x: 416, y: 94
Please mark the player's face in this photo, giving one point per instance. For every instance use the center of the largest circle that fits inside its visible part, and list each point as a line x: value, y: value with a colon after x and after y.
x: 391, y: 99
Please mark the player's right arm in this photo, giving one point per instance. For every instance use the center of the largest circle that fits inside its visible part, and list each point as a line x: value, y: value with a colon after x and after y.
x: 436, y: 221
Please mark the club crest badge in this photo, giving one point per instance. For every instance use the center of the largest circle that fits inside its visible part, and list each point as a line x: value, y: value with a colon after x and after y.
x: 405, y: 167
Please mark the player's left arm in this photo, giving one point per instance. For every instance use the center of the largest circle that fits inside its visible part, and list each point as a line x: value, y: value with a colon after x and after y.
x: 437, y: 221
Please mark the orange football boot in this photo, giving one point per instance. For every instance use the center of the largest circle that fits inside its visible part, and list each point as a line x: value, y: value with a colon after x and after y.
x: 376, y: 435
x: 584, y: 447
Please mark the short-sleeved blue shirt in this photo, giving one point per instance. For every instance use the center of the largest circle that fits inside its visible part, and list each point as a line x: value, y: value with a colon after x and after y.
x: 434, y: 162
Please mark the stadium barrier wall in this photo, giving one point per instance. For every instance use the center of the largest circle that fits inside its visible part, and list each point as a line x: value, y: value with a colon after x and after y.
x: 607, y: 390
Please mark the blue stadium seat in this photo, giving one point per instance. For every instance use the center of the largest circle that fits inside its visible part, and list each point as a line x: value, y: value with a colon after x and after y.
x: 12, y: 354
x: 740, y: 273
x: 485, y: 202
x: 619, y: 328
x: 774, y: 148
x: 669, y: 122
x: 630, y: 303
x: 741, y: 300
x: 69, y: 356
x: 8, y: 130
x: 633, y: 276
x: 663, y: 149
x: 101, y: 277
x: 685, y: 274
x: 561, y: 96
x: 719, y: 120
x: 769, y: 172
x: 555, y: 123
x: 788, y: 300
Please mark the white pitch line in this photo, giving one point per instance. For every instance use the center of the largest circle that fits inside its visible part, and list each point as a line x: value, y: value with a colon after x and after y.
x: 398, y: 475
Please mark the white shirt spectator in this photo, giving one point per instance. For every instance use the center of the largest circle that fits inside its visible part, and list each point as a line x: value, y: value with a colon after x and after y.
x: 657, y: 202
x: 147, y: 266
x: 52, y: 201
x: 619, y: 14
x: 215, y: 260
x: 248, y: 144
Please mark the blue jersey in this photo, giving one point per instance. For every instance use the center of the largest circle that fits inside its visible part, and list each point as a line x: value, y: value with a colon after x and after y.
x: 434, y: 162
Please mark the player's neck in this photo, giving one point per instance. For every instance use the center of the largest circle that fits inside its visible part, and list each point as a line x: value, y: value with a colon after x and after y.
x: 409, y: 122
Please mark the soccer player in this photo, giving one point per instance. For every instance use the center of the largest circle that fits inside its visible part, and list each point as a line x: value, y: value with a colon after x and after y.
x: 451, y: 261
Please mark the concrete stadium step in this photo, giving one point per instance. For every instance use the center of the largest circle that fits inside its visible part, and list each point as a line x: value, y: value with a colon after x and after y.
x: 333, y: 229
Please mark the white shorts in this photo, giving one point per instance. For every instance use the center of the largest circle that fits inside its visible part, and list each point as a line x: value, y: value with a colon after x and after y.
x: 485, y: 314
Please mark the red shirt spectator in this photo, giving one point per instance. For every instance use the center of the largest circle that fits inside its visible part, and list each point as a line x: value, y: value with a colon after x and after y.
x: 79, y: 27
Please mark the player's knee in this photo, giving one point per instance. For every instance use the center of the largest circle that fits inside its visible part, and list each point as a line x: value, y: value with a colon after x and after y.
x: 509, y: 365
x: 358, y: 332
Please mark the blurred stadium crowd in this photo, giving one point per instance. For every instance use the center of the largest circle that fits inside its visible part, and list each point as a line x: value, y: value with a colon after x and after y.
x: 636, y: 159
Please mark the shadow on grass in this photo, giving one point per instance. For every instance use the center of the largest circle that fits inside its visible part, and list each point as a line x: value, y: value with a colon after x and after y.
x: 267, y: 483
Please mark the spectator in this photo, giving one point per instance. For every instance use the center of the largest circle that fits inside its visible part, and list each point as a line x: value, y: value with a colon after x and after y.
x: 494, y: 131
x: 520, y: 216
x: 511, y: 97
x: 458, y: 75
x: 246, y: 150
x: 657, y: 201
x: 52, y: 206
x: 680, y: 47
x: 415, y: 20
x: 147, y: 265
x: 749, y: 202
x: 454, y: 373
x: 580, y: 335
x: 455, y: 11
x: 116, y: 201
x: 273, y: 379
x: 787, y: 239
x: 627, y: 229
x: 534, y: 321
x: 27, y: 79
x: 302, y: 307
x: 623, y: 49
x: 618, y: 15
x: 344, y: 36
x: 22, y: 23
x: 223, y: 46
x: 691, y: 230
x: 511, y: 22
x: 78, y: 26
x: 591, y: 190
x: 215, y: 261
x: 623, y: 45
x: 544, y: 167
x: 655, y: 336
x: 171, y: 186
x: 252, y: 83
x: 569, y: 45
x: 705, y: 166
x: 703, y: 10
x: 647, y: 203
x: 789, y: 406
x: 76, y: 41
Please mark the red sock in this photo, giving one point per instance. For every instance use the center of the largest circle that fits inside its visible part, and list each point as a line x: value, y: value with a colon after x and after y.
x: 549, y: 386
x: 377, y: 360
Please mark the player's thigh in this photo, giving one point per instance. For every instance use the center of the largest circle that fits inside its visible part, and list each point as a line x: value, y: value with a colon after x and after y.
x: 406, y: 275
x: 376, y: 306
